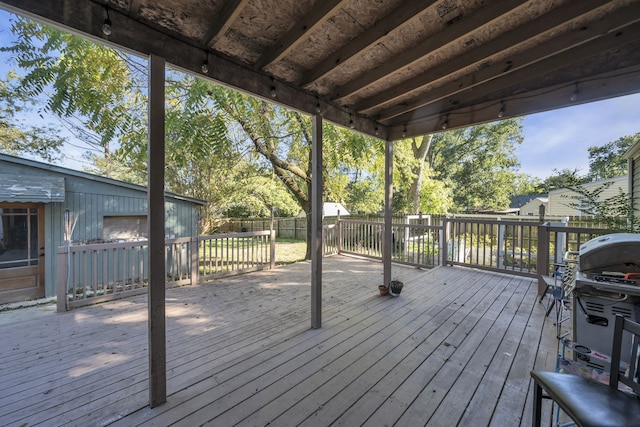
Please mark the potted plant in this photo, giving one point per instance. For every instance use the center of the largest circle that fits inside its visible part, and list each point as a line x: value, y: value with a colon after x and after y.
x: 384, y: 290
x: 395, y: 287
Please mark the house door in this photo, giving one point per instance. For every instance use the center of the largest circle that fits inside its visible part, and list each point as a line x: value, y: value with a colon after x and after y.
x: 21, y: 252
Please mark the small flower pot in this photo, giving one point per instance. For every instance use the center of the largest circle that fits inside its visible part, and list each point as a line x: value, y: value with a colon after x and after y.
x: 383, y: 290
x: 395, y: 287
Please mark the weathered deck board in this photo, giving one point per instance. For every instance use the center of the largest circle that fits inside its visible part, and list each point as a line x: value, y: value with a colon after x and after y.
x: 454, y: 349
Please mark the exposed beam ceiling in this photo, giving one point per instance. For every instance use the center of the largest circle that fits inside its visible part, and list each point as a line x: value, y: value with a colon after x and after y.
x: 387, y: 68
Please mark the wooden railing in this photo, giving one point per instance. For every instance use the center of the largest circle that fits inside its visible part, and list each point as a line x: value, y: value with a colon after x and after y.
x: 363, y: 238
x: 330, y: 239
x: 227, y: 254
x: 518, y: 247
x: 99, y: 272
x: 523, y: 248
x: 412, y: 244
x: 89, y: 274
x: 493, y: 245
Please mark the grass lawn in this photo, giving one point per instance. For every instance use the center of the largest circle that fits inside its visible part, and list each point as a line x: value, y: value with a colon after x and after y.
x: 289, y: 250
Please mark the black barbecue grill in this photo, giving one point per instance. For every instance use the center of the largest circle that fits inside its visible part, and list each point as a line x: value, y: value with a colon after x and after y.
x: 607, y: 283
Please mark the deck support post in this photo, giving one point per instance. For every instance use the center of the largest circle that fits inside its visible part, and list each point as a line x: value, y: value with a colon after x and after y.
x: 155, y: 221
x: 316, y: 222
x: 388, y: 213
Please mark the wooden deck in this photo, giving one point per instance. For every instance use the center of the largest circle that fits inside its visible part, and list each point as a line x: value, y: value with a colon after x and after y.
x: 454, y: 349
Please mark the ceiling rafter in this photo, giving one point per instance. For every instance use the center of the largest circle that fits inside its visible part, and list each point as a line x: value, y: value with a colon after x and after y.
x: 366, y: 39
x: 321, y: 11
x: 538, y: 52
x: 539, y: 25
x: 458, y: 29
x: 544, y: 99
x: 134, y: 6
x: 230, y: 11
x: 522, y: 79
x: 519, y: 58
x: 144, y: 39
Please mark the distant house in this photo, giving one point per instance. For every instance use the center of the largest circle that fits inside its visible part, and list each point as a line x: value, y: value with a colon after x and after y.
x: 560, y: 200
x: 633, y: 157
x: 330, y: 209
x: 529, y: 204
x: 532, y: 207
x: 38, y: 202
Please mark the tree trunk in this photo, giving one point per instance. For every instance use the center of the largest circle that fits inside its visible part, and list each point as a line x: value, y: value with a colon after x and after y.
x: 420, y: 154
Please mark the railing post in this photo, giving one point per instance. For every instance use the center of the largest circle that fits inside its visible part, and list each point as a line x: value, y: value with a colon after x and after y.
x: 195, y: 260
x: 407, y: 235
x: 338, y: 234
x: 542, y: 263
x: 272, y: 249
x: 61, y: 279
x: 501, y: 253
x: 444, y: 243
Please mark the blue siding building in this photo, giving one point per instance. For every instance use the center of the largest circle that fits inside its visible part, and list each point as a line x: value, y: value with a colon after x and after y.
x: 42, y: 206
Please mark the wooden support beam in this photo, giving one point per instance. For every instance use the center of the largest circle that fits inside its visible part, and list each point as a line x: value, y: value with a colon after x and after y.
x: 367, y: 39
x: 542, y: 265
x: 512, y: 38
x: 134, y: 7
x: 230, y: 11
x: 157, y: 276
x: 321, y: 11
x: 87, y: 18
x: 465, y: 25
x: 522, y: 79
x: 316, y: 222
x: 388, y: 212
x: 503, y: 68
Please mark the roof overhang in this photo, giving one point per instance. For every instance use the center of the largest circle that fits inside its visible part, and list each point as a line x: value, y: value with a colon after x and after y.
x: 31, y: 189
x: 393, y: 69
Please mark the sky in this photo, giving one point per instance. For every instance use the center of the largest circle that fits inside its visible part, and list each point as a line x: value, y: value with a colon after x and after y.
x: 553, y: 140
x: 560, y: 139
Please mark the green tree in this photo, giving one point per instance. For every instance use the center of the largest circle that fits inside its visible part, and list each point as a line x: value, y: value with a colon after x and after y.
x: 435, y: 196
x: 608, y: 160
x: 415, y: 188
x: 283, y: 138
x: 616, y: 212
x: 419, y: 148
x: 18, y: 137
x: 478, y: 163
x: 365, y: 196
x: 96, y: 91
x: 565, y: 178
x: 100, y: 95
x: 526, y: 184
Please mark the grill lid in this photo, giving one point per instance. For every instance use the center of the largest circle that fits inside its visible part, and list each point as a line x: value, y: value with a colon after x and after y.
x: 618, y: 252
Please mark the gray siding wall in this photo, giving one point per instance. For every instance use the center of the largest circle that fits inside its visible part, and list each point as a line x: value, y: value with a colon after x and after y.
x: 91, y: 201
x: 635, y: 183
x: 559, y: 199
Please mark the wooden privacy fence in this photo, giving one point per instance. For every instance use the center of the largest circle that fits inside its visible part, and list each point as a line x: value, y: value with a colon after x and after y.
x: 291, y: 227
x: 89, y: 274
